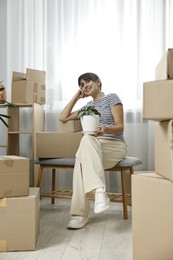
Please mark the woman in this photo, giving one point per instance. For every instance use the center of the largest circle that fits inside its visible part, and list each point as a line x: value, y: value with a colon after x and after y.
x: 96, y: 152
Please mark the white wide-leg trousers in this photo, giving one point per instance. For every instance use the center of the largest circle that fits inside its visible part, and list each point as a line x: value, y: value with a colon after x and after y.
x: 94, y: 155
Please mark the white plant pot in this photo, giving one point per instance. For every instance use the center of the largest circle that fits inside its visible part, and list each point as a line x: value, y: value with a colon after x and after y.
x: 89, y: 123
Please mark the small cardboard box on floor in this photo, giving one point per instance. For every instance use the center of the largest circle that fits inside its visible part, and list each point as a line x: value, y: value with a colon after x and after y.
x: 19, y: 222
x: 163, y: 148
x: 157, y: 100
x: 164, y: 69
x: 152, y: 218
x: 57, y: 145
x: 14, y: 176
x: 28, y: 87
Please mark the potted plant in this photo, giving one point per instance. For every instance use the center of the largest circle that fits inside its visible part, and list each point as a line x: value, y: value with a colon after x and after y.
x: 3, y: 101
x: 89, y: 117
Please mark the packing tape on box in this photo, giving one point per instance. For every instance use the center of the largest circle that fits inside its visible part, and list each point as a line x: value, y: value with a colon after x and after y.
x: 43, y: 87
x: 7, y: 161
x: 35, y: 87
x: 42, y: 99
x: 35, y: 98
x: 3, y: 245
x: 39, y: 86
x: 38, y: 100
x: 3, y: 203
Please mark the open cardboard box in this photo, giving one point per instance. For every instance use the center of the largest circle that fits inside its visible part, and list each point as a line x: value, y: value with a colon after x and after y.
x: 29, y: 87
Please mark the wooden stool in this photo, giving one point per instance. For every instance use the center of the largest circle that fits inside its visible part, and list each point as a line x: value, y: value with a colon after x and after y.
x: 126, y: 165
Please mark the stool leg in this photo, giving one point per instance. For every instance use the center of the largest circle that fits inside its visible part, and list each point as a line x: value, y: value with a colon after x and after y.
x: 131, y: 170
x: 40, y: 175
x: 123, y: 183
x: 53, y: 184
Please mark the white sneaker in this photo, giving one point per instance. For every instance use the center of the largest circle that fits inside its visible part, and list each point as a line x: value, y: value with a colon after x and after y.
x: 101, y: 201
x: 77, y: 222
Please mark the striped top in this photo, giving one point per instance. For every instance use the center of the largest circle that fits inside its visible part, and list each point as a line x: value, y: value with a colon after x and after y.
x: 104, y: 105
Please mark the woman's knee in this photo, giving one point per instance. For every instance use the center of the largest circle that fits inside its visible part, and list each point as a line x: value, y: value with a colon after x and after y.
x: 87, y: 139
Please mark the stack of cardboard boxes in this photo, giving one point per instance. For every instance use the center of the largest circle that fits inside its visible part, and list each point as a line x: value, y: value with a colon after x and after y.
x: 152, y: 192
x: 19, y: 205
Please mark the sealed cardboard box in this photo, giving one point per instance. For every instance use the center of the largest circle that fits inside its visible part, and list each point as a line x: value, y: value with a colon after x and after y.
x: 19, y: 222
x: 70, y: 126
x: 164, y: 69
x: 57, y: 145
x: 28, y: 87
x: 157, y: 100
x: 152, y: 207
x: 163, y: 148
x: 14, y: 176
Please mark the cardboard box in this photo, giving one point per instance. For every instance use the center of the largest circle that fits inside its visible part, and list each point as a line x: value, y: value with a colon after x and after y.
x: 164, y: 69
x: 163, y: 148
x: 29, y: 87
x: 57, y: 145
x: 70, y: 126
x: 36, y: 75
x: 19, y: 222
x: 14, y: 176
x: 157, y: 100
x: 152, y: 218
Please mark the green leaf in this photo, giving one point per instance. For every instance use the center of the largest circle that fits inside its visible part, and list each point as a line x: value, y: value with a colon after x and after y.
x: 81, y: 113
x: 9, y: 104
x: 3, y: 121
x: 90, y: 110
x: 2, y: 115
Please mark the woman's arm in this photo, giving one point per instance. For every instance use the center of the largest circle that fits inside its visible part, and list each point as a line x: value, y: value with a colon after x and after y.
x: 67, y: 113
x: 118, y: 127
x: 118, y: 115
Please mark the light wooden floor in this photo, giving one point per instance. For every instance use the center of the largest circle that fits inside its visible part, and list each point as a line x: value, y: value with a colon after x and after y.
x: 107, y: 237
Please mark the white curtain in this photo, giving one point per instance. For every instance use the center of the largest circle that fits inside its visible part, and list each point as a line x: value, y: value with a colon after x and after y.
x: 120, y: 40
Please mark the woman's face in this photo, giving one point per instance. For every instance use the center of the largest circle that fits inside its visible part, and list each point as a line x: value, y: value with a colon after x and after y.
x: 89, y: 87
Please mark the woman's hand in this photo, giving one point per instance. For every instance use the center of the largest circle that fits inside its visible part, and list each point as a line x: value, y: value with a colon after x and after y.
x: 100, y: 131
x: 67, y: 113
x: 80, y: 94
